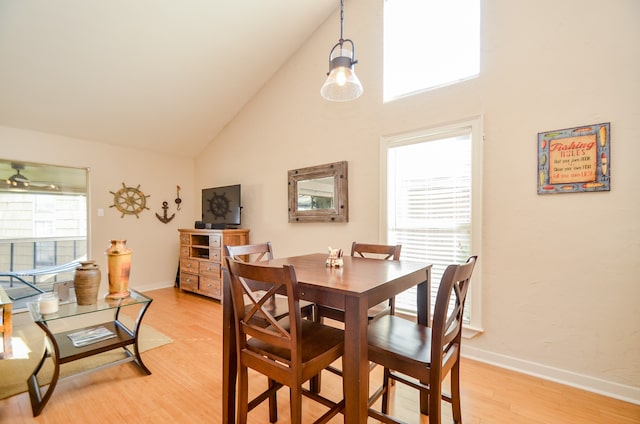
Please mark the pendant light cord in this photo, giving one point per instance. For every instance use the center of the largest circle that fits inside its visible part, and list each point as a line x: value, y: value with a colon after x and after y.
x: 341, y: 21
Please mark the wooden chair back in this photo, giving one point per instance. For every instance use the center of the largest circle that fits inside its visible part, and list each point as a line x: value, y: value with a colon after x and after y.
x: 280, y: 280
x: 288, y: 350
x: 263, y: 252
x: 425, y: 354
x: 379, y: 251
x: 447, y: 317
x: 251, y: 252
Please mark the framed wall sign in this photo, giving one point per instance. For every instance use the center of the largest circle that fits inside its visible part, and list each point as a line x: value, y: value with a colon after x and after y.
x: 574, y: 160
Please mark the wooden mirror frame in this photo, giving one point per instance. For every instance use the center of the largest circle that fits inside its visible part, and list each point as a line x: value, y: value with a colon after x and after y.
x: 340, y: 210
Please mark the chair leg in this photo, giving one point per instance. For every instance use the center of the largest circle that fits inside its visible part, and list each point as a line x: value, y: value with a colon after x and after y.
x: 243, y: 395
x: 295, y: 402
x: 425, y: 399
x: 314, y: 383
x: 435, y: 401
x: 455, y: 393
x: 273, y: 403
x: 385, y: 390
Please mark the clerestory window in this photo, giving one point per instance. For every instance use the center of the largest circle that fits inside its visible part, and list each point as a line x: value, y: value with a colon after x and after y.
x: 428, y: 44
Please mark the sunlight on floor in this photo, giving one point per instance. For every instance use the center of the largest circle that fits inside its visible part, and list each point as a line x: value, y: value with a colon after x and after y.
x: 19, y: 349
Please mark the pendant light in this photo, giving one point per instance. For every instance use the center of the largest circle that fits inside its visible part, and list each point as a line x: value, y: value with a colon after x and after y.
x: 342, y: 84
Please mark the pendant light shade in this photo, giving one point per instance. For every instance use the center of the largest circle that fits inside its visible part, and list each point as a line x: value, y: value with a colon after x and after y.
x: 342, y: 84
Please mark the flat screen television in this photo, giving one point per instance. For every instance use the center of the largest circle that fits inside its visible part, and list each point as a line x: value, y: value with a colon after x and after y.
x: 221, y: 206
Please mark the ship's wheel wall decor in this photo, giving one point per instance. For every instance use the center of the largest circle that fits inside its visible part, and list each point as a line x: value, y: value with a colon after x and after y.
x: 129, y: 200
x: 219, y: 205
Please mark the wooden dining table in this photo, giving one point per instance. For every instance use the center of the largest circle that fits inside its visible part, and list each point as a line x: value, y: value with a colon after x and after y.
x: 354, y: 287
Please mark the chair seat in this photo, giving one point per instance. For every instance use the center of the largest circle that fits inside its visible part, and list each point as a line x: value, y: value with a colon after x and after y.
x: 317, y: 339
x: 393, y: 335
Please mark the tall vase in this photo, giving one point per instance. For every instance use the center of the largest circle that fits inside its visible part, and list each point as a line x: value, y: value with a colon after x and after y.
x: 86, y: 283
x: 119, y: 261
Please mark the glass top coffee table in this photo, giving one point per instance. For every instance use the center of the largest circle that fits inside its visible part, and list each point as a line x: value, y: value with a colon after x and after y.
x: 81, y: 342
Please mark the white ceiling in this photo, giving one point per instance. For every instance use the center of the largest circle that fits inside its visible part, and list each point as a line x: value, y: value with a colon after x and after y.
x: 163, y: 75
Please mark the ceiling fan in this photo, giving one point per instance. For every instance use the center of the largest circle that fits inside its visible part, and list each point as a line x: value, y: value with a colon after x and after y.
x: 20, y: 182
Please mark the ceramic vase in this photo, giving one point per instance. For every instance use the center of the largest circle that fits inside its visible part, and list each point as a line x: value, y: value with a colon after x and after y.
x: 86, y: 283
x: 119, y: 262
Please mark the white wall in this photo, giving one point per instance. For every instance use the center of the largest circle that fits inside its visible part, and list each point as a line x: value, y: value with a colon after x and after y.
x: 155, y: 245
x: 559, y: 271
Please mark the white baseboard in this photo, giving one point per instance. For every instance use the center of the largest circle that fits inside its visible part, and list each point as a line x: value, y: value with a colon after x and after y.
x: 154, y: 286
x: 606, y: 388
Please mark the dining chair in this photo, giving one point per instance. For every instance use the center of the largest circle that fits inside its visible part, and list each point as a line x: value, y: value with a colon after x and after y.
x: 264, y: 252
x: 422, y: 356
x: 289, y: 351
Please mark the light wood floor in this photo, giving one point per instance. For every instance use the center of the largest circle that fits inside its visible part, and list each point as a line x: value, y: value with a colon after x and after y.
x: 185, y: 386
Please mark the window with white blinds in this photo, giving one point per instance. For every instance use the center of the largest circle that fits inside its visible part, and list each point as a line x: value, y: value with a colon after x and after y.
x: 430, y: 203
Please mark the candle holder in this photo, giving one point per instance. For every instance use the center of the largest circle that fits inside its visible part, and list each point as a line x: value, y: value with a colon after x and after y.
x: 48, y: 303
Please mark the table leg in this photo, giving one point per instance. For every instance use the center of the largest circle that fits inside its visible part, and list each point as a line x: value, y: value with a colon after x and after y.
x: 356, y: 361
x: 229, y: 358
x: 135, y: 332
x: 38, y: 399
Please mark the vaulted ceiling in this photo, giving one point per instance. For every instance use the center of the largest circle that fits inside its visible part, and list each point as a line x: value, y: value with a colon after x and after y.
x: 163, y: 75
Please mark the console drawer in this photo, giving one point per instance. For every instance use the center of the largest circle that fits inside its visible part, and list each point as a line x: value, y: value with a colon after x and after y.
x: 209, y: 286
x: 210, y: 270
x: 189, y: 265
x: 189, y: 281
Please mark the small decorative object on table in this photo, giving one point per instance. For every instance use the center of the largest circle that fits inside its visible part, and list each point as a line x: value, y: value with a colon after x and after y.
x: 86, y: 282
x: 119, y: 261
x: 48, y: 303
x: 90, y: 335
x: 335, y: 258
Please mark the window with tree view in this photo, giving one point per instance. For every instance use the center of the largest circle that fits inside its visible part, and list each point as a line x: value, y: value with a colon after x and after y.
x: 43, y: 222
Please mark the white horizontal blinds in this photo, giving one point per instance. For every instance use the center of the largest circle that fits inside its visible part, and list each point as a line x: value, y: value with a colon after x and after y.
x: 429, y: 204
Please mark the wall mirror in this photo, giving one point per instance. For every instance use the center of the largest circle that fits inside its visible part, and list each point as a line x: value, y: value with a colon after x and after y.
x: 319, y: 193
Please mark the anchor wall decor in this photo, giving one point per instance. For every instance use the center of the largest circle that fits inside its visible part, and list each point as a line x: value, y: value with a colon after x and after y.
x: 165, y: 218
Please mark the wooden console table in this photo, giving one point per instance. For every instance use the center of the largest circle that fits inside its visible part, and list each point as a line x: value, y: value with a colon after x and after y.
x: 202, y: 258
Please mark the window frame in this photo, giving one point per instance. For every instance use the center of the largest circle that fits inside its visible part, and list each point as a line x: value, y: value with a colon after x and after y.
x: 473, y: 126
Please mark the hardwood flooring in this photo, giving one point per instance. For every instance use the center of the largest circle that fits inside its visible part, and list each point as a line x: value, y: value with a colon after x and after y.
x: 186, y: 385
